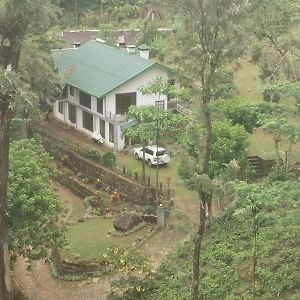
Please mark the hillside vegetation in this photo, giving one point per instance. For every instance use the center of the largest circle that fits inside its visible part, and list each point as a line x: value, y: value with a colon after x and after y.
x: 228, y: 252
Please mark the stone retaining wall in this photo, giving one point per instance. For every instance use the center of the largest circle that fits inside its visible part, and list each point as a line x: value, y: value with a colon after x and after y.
x: 106, y: 179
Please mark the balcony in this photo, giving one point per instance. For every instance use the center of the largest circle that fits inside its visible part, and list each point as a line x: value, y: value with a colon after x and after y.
x: 115, y: 118
x: 179, y: 106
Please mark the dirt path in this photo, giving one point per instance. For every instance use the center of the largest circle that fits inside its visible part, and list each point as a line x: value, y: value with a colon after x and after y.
x: 38, y: 284
x: 75, y: 205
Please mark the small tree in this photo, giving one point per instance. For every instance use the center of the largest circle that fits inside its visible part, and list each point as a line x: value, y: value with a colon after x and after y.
x: 147, y: 118
x: 240, y: 113
x: 212, y: 41
x: 17, y: 18
x: 35, y: 223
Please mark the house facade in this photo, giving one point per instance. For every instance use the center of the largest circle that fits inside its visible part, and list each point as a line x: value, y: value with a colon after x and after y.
x: 101, y: 83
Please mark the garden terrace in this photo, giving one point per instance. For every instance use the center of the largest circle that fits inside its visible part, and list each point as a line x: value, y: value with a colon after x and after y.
x: 106, y: 179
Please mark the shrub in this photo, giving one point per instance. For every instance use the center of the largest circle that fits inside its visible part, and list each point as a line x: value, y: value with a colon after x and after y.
x: 130, y: 263
x: 116, y: 197
x: 109, y: 159
x: 279, y: 173
x: 271, y: 95
x: 150, y: 210
x: 93, y: 154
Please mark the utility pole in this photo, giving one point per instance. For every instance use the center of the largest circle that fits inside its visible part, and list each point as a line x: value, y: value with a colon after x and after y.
x: 159, y: 104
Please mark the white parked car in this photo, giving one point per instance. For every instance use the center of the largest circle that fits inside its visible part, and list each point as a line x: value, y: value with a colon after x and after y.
x: 153, y: 155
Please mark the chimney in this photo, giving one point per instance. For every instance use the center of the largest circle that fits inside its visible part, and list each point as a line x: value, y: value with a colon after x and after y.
x: 121, y: 41
x: 76, y: 44
x: 130, y: 49
x: 144, y: 51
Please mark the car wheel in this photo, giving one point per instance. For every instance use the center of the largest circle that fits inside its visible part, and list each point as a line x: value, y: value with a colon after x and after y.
x: 166, y: 158
x: 149, y: 163
x: 136, y: 156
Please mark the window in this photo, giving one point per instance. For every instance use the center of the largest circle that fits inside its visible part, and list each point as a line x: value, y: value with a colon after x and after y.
x: 87, y: 121
x: 123, y: 101
x: 111, y: 132
x: 85, y: 99
x: 72, y: 114
x: 71, y: 90
x: 148, y: 151
x: 61, y: 107
x: 100, y: 105
x: 102, y: 128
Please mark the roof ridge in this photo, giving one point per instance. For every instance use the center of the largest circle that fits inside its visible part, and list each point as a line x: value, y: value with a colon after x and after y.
x: 119, y: 51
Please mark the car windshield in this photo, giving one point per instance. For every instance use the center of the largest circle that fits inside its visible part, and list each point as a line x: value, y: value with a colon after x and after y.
x: 161, y: 152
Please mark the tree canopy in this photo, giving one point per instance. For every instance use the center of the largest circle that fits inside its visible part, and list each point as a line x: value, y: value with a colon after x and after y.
x: 35, y: 223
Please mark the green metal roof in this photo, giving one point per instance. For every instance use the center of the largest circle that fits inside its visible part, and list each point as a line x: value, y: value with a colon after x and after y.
x: 97, y: 69
x: 128, y: 124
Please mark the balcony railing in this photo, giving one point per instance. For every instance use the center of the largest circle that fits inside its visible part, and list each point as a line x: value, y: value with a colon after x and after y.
x: 179, y: 106
x: 115, y: 117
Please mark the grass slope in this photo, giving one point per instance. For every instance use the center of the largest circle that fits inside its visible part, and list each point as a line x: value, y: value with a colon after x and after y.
x: 227, y: 256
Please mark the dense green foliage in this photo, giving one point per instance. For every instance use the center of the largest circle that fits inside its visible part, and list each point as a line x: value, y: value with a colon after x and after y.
x: 240, y: 112
x: 227, y: 251
x: 230, y: 143
x: 92, y: 13
x: 35, y: 222
x: 224, y: 87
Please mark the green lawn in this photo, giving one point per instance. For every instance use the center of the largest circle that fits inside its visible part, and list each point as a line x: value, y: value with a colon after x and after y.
x: 247, y: 81
x: 89, y: 240
x: 164, y: 172
x: 249, y: 87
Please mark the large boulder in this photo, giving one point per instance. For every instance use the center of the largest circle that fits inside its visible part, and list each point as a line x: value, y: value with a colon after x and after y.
x: 126, y: 221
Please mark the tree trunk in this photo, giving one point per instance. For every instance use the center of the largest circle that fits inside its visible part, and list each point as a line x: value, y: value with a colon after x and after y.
x: 277, y: 151
x: 143, y: 165
x: 209, y: 211
x: 204, y: 200
x: 254, y: 263
x: 5, y: 279
x: 197, y: 247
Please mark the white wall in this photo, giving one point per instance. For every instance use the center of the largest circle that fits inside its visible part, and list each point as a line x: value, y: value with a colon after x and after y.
x: 133, y: 86
x: 109, y: 105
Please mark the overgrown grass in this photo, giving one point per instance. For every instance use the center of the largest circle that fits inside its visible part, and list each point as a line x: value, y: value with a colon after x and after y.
x: 248, y: 82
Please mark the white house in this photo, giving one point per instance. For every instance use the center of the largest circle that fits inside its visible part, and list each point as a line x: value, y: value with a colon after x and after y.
x: 101, y: 83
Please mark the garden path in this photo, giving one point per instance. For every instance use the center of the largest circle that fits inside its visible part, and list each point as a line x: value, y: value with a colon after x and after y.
x: 39, y: 284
